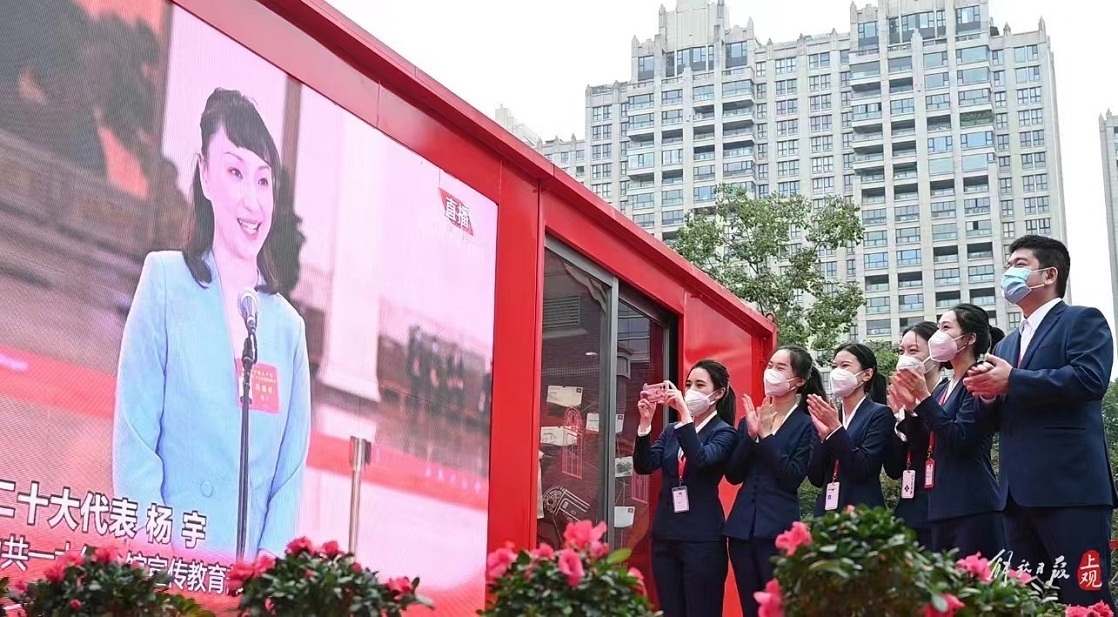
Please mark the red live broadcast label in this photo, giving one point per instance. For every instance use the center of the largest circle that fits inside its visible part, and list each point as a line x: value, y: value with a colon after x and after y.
x: 456, y: 212
x: 265, y: 387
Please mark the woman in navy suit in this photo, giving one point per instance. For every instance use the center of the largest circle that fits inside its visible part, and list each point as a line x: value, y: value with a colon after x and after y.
x: 774, y: 445
x: 963, y: 503
x: 908, y: 447
x: 177, y: 422
x: 689, y: 561
x: 846, y: 463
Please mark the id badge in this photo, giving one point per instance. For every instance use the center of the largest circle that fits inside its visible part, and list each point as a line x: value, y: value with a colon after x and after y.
x: 929, y: 473
x: 680, y: 503
x: 908, y: 484
x: 832, y: 499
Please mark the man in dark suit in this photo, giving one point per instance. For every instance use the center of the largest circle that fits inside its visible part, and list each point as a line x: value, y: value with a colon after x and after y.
x: 1044, y: 386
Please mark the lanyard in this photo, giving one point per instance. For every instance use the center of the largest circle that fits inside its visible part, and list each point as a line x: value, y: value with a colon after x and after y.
x: 942, y: 400
x: 682, y: 467
x: 931, y: 437
x: 834, y: 474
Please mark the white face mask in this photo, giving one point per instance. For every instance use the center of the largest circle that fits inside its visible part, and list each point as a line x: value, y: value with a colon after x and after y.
x: 697, y: 402
x: 912, y: 363
x: 843, y: 382
x: 776, y: 384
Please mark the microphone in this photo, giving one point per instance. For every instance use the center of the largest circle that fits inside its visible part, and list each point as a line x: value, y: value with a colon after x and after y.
x: 249, y: 304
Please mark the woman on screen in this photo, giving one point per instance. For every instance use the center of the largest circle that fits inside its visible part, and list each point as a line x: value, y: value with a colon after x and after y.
x: 177, y: 423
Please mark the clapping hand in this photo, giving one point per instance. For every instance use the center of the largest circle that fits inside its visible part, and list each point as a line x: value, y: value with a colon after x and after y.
x: 823, y: 415
x: 752, y: 419
x: 989, y: 379
x: 912, y: 387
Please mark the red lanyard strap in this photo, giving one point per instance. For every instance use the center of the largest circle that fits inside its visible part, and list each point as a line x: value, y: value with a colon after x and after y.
x: 932, y: 438
x: 834, y: 474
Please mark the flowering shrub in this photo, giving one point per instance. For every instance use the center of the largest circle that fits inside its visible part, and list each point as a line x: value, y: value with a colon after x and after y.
x: 866, y: 562
x: 99, y: 583
x: 1098, y: 610
x: 582, y: 578
x: 325, y: 582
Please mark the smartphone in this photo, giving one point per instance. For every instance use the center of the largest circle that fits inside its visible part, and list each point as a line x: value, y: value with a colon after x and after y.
x: 654, y: 393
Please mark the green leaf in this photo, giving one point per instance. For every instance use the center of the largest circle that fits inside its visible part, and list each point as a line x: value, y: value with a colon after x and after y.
x: 619, y: 556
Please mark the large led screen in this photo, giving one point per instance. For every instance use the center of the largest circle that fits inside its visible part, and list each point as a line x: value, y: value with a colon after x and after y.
x: 152, y: 171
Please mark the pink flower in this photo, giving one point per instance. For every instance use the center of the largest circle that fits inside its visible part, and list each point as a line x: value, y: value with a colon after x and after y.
x: 300, y: 545
x: 570, y: 564
x: 358, y: 568
x: 1100, y: 609
x: 400, y: 586
x: 263, y: 564
x: 238, y: 575
x: 793, y: 539
x: 770, y: 601
x: 637, y: 574
x: 849, y: 510
x: 309, y: 574
x: 953, y: 604
x: 1022, y: 577
x: 56, y: 572
x: 976, y: 566
x: 599, y: 549
x: 106, y: 554
x: 581, y: 535
x: 73, y: 558
x: 331, y: 549
x: 75, y: 605
x: 498, y: 563
x: 543, y: 552
x: 20, y: 587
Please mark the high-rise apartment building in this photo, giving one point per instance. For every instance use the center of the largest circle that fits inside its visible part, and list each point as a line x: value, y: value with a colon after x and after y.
x: 941, y: 125
x: 1108, y: 137
x: 522, y: 132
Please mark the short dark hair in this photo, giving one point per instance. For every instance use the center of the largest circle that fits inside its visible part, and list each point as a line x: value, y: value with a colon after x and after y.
x: 996, y: 336
x: 924, y: 329
x: 1050, y: 253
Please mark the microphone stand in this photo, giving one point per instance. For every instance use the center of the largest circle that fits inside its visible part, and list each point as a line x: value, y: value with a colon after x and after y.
x: 248, y: 359
x: 359, y: 455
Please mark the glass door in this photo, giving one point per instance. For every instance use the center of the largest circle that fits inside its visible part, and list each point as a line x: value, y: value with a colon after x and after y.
x: 642, y: 334
x: 601, y: 344
x: 578, y: 316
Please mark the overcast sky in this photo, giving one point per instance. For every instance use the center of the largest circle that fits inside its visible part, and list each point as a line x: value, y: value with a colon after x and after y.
x: 537, y: 57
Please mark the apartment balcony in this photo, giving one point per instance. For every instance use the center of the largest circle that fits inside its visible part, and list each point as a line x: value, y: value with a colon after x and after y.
x: 869, y: 161
x: 867, y: 142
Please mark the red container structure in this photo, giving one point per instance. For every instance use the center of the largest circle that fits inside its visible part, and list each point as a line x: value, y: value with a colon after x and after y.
x: 588, y: 306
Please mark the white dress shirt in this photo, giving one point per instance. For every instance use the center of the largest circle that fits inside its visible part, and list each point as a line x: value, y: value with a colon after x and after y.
x: 1029, y: 326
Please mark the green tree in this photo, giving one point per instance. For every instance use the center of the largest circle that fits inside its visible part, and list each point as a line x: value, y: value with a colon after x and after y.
x: 887, y: 353
x: 766, y: 251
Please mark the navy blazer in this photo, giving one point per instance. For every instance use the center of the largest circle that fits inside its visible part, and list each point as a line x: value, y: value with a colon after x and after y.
x: 964, y: 475
x: 707, y: 453
x: 859, y: 451
x: 911, y: 454
x: 770, y: 471
x: 1053, y: 445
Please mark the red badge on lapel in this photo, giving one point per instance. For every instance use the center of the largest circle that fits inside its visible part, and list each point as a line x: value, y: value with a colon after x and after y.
x: 265, y: 387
